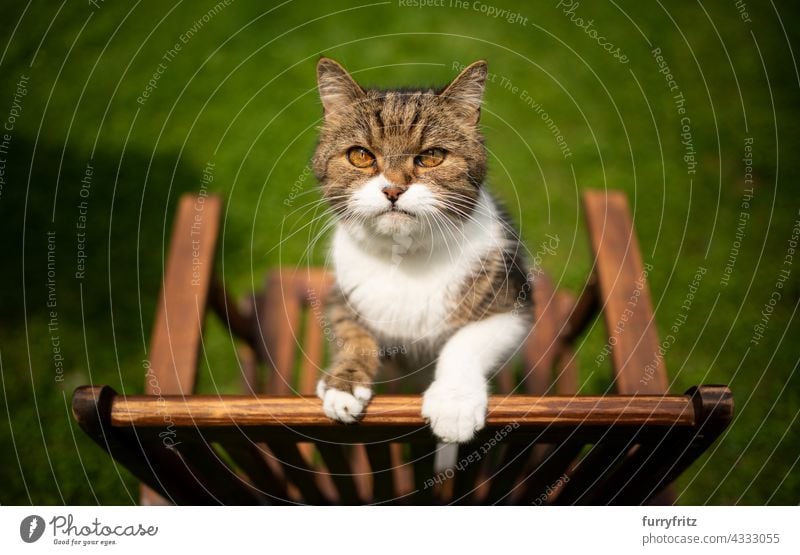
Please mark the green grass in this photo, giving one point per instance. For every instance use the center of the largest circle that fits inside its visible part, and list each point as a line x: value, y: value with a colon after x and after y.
x: 241, y: 94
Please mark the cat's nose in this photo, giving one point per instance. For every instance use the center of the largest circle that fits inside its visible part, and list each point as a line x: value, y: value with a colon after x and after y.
x: 393, y: 192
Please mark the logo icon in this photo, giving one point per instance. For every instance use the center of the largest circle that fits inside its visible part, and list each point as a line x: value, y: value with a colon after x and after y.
x: 31, y: 528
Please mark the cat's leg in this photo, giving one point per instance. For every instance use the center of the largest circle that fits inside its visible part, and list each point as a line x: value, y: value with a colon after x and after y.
x: 346, y: 387
x: 455, y: 403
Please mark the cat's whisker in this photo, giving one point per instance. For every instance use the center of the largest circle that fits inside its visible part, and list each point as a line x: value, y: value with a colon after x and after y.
x: 446, y: 221
x: 480, y: 210
x: 432, y: 236
x: 449, y: 252
x: 291, y: 234
x: 312, y: 243
x: 310, y: 191
x: 470, y: 217
x: 308, y: 207
x: 483, y: 267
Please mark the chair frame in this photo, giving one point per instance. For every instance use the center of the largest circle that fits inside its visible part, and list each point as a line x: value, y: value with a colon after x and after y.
x: 279, y: 447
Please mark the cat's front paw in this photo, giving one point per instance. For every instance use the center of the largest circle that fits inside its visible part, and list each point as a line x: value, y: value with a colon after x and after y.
x: 341, y: 405
x: 455, y: 411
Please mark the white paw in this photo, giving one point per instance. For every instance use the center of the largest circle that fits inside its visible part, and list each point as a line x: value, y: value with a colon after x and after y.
x: 341, y: 405
x: 455, y: 411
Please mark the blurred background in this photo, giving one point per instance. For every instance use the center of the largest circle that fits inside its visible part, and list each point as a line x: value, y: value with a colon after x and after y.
x: 111, y: 110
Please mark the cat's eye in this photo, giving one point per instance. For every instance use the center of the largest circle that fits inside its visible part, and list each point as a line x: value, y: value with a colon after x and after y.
x: 360, y: 157
x: 430, y: 158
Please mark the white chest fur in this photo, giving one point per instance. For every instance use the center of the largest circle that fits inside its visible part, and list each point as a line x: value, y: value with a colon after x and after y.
x: 401, y: 301
x: 404, y: 295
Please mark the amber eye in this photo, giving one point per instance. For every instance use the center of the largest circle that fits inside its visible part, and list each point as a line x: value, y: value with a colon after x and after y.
x: 430, y: 158
x: 360, y: 157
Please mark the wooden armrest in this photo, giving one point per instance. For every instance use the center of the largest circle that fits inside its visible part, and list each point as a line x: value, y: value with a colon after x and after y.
x: 175, y: 343
x: 293, y: 418
x: 624, y: 295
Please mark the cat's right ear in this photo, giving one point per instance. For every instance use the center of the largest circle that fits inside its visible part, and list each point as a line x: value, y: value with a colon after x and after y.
x: 466, y: 90
x: 337, y: 90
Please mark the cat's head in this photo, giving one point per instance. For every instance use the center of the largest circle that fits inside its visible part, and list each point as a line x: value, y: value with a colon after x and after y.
x: 400, y: 160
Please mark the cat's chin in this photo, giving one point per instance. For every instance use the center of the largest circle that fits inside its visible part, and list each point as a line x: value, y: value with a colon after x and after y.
x: 395, y: 222
x: 389, y: 231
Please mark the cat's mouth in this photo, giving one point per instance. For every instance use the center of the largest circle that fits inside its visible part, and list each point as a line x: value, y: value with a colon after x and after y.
x: 397, y: 212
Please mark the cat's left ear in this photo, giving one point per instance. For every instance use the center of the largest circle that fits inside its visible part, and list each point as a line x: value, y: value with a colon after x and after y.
x: 337, y: 90
x: 466, y: 90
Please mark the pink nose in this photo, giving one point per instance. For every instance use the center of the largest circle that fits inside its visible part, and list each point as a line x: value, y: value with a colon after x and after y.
x: 393, y: 193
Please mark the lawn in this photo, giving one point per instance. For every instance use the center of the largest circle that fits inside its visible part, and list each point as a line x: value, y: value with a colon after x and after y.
x: 111, y: 111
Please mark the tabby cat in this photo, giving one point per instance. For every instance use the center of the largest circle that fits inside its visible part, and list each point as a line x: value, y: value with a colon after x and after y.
x: 429, y: 270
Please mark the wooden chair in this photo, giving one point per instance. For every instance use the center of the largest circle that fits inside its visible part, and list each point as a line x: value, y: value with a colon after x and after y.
x: 543, y: 443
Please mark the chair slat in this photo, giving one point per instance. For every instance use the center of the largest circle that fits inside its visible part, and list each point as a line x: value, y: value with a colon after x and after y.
x: 583, y: 311
x: 277, y: 325
x: 175, y: 479
x: 229, y: 312
x: 362, y: 476
x: 380, y: 462
x: 548, y: 469
x: 252, y: 461
x: 543, y: 345
x: 311, y: 355
x: 624, y: 294
x: 213, y: 475
x: 504, y: 380
x: 181, y: 308
x: 403, y: 472
x: 338, y: 467
x: 249, y: 367
x: 422, y: 455
x: 565, y: 370
x: 299, y: 472
x: 310, y: 453
x: 312, y: 287
x: 465, y: 485
x: 591, y: 470
x: 505, y: 477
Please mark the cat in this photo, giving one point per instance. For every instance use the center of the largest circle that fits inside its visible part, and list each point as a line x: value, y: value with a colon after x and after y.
x: 429, y: 270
